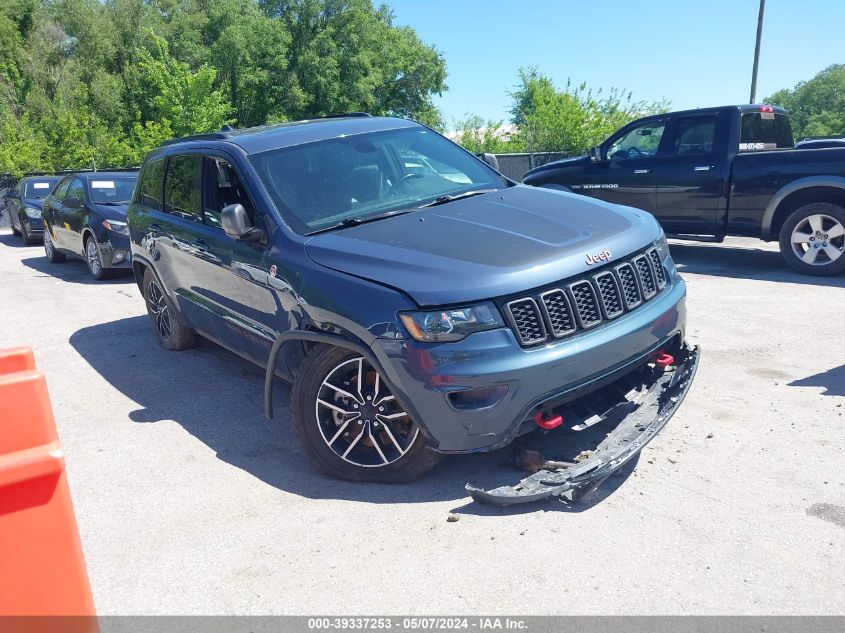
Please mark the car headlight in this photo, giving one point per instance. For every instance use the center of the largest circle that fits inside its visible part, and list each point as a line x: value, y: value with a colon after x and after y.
x: 32, y: 212
x: 662, y: 247
x: 451, y: 324
x: 116, y: 226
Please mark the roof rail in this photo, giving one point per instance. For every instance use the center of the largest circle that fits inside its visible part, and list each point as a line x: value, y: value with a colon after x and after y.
x: 341, y: 115
x: 211, y: 136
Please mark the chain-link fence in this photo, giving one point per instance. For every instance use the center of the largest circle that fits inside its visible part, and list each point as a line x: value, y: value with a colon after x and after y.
x: 514, y: 166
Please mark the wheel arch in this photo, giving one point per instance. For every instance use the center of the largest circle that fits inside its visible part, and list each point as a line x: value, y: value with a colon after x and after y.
x: 795, y: 195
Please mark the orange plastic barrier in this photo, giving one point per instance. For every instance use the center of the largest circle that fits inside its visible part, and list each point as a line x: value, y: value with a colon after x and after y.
x: 42, y: 570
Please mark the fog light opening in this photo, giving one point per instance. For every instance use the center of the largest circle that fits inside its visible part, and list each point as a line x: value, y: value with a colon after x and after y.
x: 476, y: 399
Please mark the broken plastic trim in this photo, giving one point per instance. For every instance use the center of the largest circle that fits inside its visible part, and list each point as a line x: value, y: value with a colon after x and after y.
x: 658, y: 405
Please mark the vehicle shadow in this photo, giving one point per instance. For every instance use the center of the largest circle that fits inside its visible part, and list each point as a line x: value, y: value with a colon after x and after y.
x: 832, y: 380
x: 217, y: 397
x: 7, y: 238
x: 74, y: 271
x: 723, y: 260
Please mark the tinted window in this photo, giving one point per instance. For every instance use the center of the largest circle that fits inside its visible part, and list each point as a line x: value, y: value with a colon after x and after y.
x: 61, y: 190
x: 112, y: 189
x: 320, y: 184
x: 149, y: 191
x: 764, y: 130
x: 695, y: 135
x: 643, y: 140
x: 182, y: 186
x: 76, y: 190
x: 38, y: 188
x: 223, y: 187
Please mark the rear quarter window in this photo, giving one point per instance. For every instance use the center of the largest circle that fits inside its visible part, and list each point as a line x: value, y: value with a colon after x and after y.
x: 151, y: 185
x: 765, y: 131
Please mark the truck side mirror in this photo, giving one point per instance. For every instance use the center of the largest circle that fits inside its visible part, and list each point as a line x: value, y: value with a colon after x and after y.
x: 595, y: 154
x: 72, y: 203
x: 236, y: 224
x: 491, y: 160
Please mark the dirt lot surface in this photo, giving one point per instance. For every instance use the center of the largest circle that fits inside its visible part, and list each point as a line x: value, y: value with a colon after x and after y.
x: 189, y: 501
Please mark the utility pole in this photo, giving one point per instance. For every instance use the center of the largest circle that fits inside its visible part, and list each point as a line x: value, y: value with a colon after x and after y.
x: 757, y: 52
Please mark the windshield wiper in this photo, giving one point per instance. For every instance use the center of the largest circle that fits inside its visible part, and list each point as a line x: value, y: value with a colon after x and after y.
x: 355, y: 221
x: 114, y: 204
x: 458, y: 196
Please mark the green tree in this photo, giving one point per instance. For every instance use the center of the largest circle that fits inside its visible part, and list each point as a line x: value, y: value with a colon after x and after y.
x: 184, y: 98
x: 817, y: 106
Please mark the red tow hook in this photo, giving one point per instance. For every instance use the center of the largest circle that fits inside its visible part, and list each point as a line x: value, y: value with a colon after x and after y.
x: 547, y: 423
x: 664, y: 360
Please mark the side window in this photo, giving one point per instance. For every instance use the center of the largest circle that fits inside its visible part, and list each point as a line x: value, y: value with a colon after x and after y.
x: 641, y: 141
x: 695, y: 135
x: 223, y: 187
x: 76, y: 190
x: 61, y: 191
x: 183, y: 187
x: 150, y: 188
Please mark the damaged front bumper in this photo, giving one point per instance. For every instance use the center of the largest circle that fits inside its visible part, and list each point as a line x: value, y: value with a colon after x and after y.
x: 649, y: 400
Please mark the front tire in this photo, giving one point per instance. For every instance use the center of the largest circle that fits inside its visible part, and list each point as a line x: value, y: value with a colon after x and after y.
x: 351, y: 426
x: 53, y: 256
x: 812, y: 240
x: 94, y: 259
x: 168, y: 328
x: 27, y: 238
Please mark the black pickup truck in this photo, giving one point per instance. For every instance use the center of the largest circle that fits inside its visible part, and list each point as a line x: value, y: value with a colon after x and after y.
x: 714, y: 172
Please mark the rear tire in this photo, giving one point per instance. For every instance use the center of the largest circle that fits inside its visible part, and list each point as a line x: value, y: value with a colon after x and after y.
x: 168, y: 328
x: 812, y: 239
x: 53, y: 256
x: 354, y: 430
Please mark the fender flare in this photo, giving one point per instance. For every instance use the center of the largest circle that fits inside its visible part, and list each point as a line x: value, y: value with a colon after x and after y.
x: 339, y: 341
x: 837, y: 182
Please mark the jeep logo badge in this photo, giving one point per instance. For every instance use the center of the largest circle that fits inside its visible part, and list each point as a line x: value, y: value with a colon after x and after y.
x: 595, y: 258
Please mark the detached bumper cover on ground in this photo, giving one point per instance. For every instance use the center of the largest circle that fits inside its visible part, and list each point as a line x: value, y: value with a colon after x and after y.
x: 649, y: 412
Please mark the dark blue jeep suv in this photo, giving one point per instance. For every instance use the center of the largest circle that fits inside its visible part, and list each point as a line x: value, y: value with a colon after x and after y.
x: 419, y: 302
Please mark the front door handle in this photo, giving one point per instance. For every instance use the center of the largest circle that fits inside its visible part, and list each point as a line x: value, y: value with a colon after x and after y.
x: 642, y: 171
x: 702, y: 168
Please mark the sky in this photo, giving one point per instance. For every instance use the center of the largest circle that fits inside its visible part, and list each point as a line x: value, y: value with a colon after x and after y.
x: 693, y: 53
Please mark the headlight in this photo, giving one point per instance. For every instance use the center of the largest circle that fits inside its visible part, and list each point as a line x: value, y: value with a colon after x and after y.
x: 451, y: 324
x: 116, y: 226
x: 32, y: 212
x: 665, y: 256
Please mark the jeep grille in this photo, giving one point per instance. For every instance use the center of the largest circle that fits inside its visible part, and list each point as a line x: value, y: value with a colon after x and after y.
x: 586, y: 302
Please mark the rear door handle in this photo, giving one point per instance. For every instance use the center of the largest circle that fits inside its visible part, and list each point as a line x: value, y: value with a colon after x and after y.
x: 702, y: 168
x: 642, y: 171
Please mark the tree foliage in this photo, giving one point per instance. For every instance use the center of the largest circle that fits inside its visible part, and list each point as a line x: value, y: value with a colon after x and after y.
x: 817, y: 106
x: 101, y: 82
x: 546, y: 119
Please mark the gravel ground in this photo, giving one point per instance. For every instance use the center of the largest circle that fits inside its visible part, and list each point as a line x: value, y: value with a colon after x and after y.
x: 188, y: 501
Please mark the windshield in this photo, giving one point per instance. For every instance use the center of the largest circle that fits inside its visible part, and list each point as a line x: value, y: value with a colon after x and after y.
x: 38, y: 188
x: 321, y: 184
x: 112, y: 189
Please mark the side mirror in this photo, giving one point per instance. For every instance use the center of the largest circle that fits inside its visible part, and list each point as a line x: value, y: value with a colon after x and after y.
x: 236, y: 224
x: 595, y: 154
x: 72, y: 203
x: 491, y: 160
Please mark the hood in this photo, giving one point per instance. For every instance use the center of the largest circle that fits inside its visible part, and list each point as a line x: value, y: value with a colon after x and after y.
x: 111, y: 212
x: 35, y: 203
x: 575, y: 161
x: 487, y: 246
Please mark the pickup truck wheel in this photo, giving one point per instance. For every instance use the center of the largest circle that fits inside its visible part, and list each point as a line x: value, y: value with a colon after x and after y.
x: 812, y: 240
x: 351, y: 426
x: 168, y: 328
